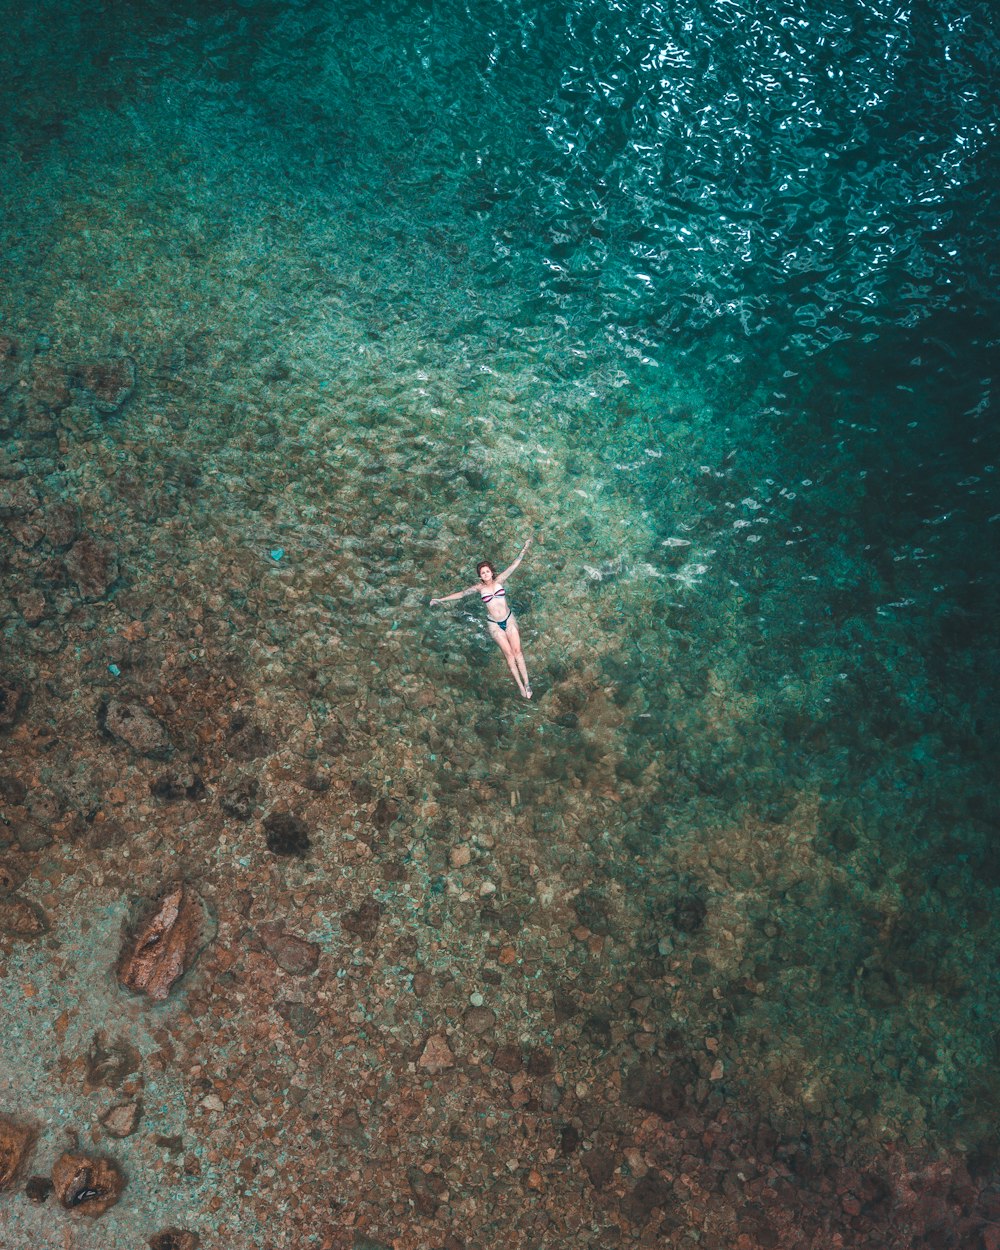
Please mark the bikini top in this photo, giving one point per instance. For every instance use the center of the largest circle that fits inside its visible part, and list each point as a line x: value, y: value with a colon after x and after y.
x: 499, y: 593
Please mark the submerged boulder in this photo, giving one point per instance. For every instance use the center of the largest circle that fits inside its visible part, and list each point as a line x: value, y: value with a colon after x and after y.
x: 15, y: 1146
x: 138, y: 728
x: 85, y: 1184
x: 166, y: 944
x: 107, y: 383
x: 93, y: 565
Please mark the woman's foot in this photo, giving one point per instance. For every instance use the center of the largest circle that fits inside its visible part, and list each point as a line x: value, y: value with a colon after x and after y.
x: 526, y: 692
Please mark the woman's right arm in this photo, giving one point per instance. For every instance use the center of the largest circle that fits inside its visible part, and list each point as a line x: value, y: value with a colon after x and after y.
x: 459, y: 594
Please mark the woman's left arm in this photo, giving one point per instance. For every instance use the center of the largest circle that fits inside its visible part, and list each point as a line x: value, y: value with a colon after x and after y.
x: 502, y: 577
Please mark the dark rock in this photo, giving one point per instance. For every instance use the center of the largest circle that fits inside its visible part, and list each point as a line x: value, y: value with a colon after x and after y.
x: 240, y: 801
x: 654, y: 1090
x: 293, y: 954
x: 92, y: 564
x: 301, y: 1019
x: 386, y: 811
x: 10, y: 879
x: 38, y: 1189
x: 540, y: 1062
x: 650, y: 1192
x: 132, y: 724
x: 16, y: 1141
x: 61, y: 525
x: 173, y: 786
x: 246, y: 740
x: 21, y: 919
x: 8, y: 361
x: 422, y: 982
x: 107, y: 384
x: 508, y: 1059
x: 286, y: 834
x: 363, y: 1242
x: 426, y: 1189
x: 317, y: 781
x: 174, y: 1239
x: 13, y: 701
x: 166, y: 944
x: 689, y: 914
x: 569, y: 1139
x: 479, y: 1020
x: 109, y: 1065
x: 85, y: 1184
x: 12, y: 789
x: 599, y: 1165
x: 363, y: 922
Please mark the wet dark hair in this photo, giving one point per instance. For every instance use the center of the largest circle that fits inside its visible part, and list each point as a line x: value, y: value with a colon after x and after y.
x: 485, y: 564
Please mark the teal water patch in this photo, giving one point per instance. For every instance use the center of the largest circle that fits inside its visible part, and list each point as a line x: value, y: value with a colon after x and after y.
x: 705, y: 304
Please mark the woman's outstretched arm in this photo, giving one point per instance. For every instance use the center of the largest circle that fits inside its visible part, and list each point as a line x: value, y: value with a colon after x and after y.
x: 502, y: 577
x: 459, y: 594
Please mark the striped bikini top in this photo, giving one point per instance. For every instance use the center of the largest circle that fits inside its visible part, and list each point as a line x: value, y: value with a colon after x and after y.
x: 499, y: 593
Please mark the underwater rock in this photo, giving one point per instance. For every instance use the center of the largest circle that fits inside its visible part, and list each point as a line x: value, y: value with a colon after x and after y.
x: 599, y: 1165
x: 426, y: 1189
x: 173, y: 786
x: 247, y: 741
x: 238, y: 802
x: 48, y: 384
x: 122, y: 1119
x: 108, y: 383
x: 436, y: 1056
x: 653, y: 1090
x: 286, y: 834
x: 32, y: 606
x: 12, y: 789
x: 166, y: 945
x: 61, y: 525
x: 109, y: 1065
x: 508, y: 1059
x: 37, y: 1189
x: 174, y: 1239
x: 649, y: 1193
x: 292, y: 954
x: 363, y: 921
x: 85, y: 1184
x: 8, y: 362
x: 132, y: 724
x: 479, y: 1020
x: 93, y: 565
x: 689, y: 914
x: 13, y: 701
x: 21, y: 919
x: 15, y: 1145
x: 300, y: 1018
x: 17, y: 499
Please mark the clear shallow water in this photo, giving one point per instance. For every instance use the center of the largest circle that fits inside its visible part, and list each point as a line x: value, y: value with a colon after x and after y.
x: 705, y: 299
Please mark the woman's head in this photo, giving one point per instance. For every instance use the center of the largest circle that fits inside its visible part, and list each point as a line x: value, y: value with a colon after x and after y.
x: 485, y: 564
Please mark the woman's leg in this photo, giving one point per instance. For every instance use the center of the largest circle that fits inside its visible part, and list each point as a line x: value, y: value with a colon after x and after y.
x: 500, y: 638
x: 515, y: 646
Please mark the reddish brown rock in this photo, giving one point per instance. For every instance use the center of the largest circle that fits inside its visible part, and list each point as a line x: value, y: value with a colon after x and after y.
x: 109, y: 1063
x: 174, y: 1239
x: 436, y: 1056
x: 17, y: 499
x: 93, y: 566
x: 292, y: 954
x: 108, y: 383
x: 21, y: 919
x: 13, y: 701
x: 15, y: 1146
x: 166, y: 944
x: 363, y: 922
x: 479, y: 1020
x: 61, y: 523
x: 85, y: 1184
x: 122, y: 1119
x: 132, y: 724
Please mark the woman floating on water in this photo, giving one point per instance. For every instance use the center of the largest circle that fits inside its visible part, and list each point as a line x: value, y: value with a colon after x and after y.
x: 500, y: 618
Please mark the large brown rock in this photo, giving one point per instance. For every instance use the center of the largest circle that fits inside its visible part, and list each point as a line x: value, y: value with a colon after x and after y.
x: 138, y: 728
x: 85, y: 1184
x: 13, y: 701
x: 174, y: 1239
x: 15, y: 1146
x: 92, y: 564
x: 20, y: 918
x: 166, y: 944
x: 292, y: 954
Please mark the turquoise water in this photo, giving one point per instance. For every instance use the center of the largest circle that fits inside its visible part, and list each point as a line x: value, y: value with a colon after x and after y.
x: 705, y: 299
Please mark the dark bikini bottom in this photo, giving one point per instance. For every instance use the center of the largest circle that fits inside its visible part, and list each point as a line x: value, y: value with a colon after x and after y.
x: 503, y: 623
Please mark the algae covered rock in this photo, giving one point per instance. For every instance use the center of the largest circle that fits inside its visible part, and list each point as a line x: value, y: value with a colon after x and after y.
x: 107, y: 383
x: 292, y: 954
x: 85, y: 1184
x: 93, y: 565
x: 166, y: 944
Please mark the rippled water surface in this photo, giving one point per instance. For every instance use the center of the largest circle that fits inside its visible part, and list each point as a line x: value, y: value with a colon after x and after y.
x: 705, y: 297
